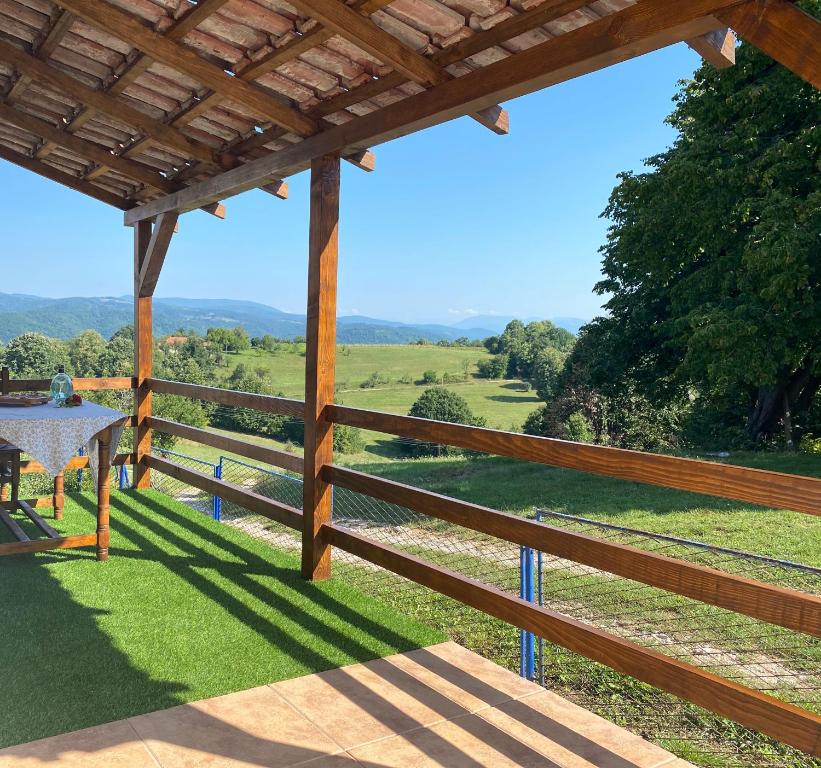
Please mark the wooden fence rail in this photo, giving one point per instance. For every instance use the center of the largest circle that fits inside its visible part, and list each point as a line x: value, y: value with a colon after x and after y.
x: 785, y: 722
x: 272, y: 456
x: 773, y: 489
x: 264, y: 403
x: 254, y: 502
x: 795, y: 610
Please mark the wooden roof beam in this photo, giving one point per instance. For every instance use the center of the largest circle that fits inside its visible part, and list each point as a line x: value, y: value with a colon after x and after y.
x: 781, y: 30
x: 89, y: 151
x: 365, y: 34
x: 717, y: 48
x: 163, y: 134
x: 128, y: 28
x: 646, y: 26
x: 66, y: 179
x: 85, y: 149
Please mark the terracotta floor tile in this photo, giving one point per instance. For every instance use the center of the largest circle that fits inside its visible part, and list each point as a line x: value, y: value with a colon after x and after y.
x: 470, y: 680
x: 364, y: 702
x: 249, y: 729
x: 467, y: 742
x: 572, y: 736
x: 113, y: 745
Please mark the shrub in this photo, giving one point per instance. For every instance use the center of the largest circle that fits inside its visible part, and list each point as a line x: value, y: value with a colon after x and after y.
x: 440, y: 405
x: 347, y: 439
x: 810, y: 444
x: 430, y: 377
x: 495, y: 368
x: 376, y: 379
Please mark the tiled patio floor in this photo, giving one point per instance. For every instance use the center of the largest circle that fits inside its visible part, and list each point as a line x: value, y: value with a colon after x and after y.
x: 438, y: 706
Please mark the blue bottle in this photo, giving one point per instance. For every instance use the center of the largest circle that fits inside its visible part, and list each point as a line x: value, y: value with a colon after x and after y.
x: 61, y: 387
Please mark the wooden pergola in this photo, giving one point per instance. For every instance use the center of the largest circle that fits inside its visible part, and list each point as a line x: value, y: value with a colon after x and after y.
x: 160, y: 107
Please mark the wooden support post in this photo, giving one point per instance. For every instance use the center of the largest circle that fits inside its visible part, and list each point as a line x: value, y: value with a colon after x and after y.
x: 4, y: 381
x: 103, y: 487
x: 320, y: 362
x: 57, y: 498
x: 143, y: 347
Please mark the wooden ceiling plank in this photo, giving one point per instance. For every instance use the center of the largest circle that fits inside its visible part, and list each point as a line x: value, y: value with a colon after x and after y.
x: 129, y: 29
x: 365, y: 34
x: 716, y: 48
x: 646, y: 26
x: 85, y: 149
x: 198, y: 14
x: 158, y: 130
x: 286, y: 53
x: 67, y: 180
x: 781, y: 30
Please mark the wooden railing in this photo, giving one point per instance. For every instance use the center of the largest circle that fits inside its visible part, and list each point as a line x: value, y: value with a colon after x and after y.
x: 796, y: 611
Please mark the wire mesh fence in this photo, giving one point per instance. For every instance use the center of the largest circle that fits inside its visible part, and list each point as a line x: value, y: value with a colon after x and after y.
x: 766, y: 657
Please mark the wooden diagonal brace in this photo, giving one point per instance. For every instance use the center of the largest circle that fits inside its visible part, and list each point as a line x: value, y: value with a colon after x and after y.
x: 154, y: 257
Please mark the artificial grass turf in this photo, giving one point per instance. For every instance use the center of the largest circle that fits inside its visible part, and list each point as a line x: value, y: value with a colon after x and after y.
x: 185, y: 609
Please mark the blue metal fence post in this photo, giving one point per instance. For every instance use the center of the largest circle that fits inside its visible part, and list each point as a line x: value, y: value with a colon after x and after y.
x: 123, y: 475
x: 522, y: 595
x: 529, y: 596
x: 527, y: 661
x: 540, y: 588
x: 82, y: 452
x: 217, y: 499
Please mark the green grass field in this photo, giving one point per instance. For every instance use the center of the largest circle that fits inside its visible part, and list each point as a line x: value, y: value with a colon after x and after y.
x: 355, y: 362
x: 185, y: 609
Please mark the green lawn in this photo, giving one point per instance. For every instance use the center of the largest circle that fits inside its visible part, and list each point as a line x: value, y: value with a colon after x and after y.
x: 185, y: 609
x: 355, y: 362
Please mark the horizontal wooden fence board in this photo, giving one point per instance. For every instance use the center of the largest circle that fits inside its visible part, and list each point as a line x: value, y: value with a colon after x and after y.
x: 758, y: 486
x: 251, y: 501
x: 43, y: 545
x: 788, y: 608
x: 80, y: 385
x: 30, y: 466
x: 271, y: 456
x: 265, y: 403
x: 785, y: 722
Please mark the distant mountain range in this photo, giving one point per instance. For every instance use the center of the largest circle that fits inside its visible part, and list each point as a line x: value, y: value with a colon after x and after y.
x: 64, y: 318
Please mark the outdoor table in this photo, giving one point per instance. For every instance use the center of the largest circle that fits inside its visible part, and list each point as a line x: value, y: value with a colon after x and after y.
x: 52, y: 435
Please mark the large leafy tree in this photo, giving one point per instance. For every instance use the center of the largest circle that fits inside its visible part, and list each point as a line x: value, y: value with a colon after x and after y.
x: 713, y: 258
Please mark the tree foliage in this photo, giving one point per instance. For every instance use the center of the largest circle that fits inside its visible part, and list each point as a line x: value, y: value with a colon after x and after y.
x: 440, y: 404
x: 713, y: 259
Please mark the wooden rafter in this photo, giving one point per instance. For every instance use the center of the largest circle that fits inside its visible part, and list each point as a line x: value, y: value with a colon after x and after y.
x: 154, y: 258
x: 66, y: 179
x: 783, y: 31
x: 717, y: 48
x: 365, y: 34
x: 543, y: 14
x: 640, y: 28
x: 85, y: 149
x: 103, y: 102
x: 128, y: 28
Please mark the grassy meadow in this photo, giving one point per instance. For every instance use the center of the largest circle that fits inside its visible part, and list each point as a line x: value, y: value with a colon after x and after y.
x: 504, y: 404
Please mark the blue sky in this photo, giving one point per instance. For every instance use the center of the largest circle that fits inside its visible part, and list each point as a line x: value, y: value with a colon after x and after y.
x: 454, y: 221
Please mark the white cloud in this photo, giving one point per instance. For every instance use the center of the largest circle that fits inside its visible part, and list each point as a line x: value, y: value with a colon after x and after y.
x: 464, y: 312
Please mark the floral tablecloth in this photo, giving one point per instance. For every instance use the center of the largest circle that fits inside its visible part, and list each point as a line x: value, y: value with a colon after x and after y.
x: 52, y: 435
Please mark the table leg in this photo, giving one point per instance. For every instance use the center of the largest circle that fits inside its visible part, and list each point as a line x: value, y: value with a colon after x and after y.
x: 104, y: 465
x: 57, y: 498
